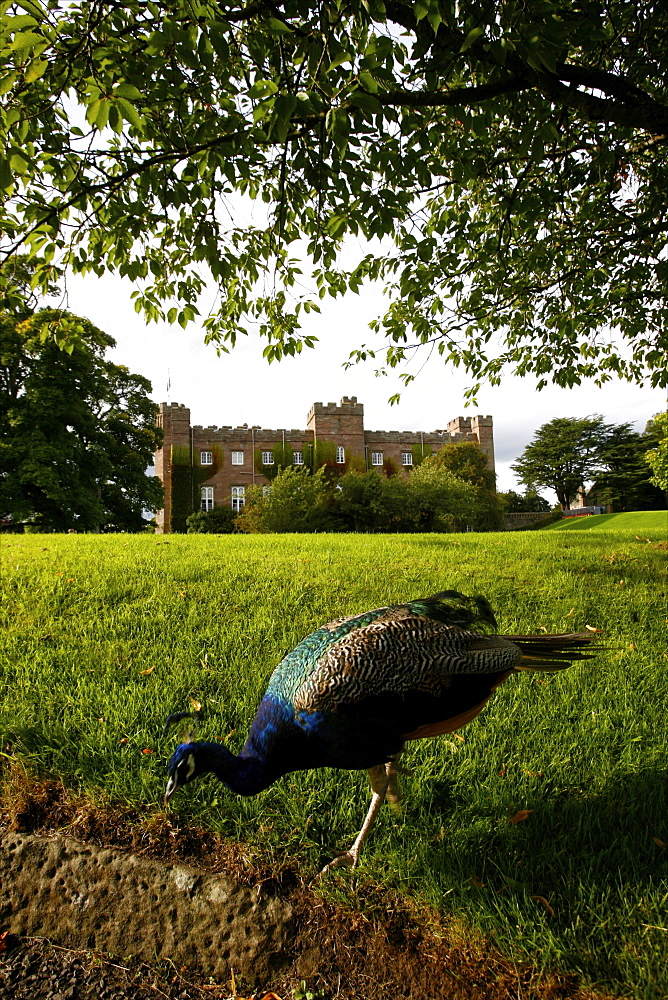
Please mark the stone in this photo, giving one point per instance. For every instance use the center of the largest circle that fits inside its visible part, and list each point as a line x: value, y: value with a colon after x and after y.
x: 80, y: 896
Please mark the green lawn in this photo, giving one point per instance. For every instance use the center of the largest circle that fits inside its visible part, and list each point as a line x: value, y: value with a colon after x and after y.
x: 105, y: 635
x: 635, y: 520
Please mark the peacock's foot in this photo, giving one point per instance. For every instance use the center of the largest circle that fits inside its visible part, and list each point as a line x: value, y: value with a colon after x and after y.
x: 348, y: 859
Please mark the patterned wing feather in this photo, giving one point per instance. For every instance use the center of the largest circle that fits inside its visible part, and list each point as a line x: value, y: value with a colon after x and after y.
x: 400, y: 654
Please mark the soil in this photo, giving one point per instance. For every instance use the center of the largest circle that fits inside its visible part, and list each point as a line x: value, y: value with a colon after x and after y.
x: 187, y: 915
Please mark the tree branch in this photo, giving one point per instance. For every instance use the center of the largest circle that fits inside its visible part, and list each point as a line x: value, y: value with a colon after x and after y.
x: 453, y: 98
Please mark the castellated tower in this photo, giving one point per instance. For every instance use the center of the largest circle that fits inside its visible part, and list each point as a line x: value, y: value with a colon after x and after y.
x: 207, y: 467
x: 343, y: 424
x: 174, y: 418
x: 478, y: 428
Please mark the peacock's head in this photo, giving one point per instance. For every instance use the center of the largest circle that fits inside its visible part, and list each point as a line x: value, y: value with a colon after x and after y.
x: 184, y: 765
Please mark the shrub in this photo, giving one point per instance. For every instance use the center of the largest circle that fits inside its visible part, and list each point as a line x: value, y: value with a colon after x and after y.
x: 219, y: 521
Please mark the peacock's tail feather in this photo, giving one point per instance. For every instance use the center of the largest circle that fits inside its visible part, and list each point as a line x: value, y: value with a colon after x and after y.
x: 554, y: 652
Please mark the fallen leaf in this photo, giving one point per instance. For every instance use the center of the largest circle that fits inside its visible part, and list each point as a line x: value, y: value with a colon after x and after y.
x: 660, y: 843
x: 182, y: 593
x: 591, y: 628
x: 569, y: 613
x: 541, y: 899
x: 197, y: 706
x: 7, y: 941
x: 123, y: 741
x: 149, y: 671
x: 477, y: 882
x: 502, y: 773
x: 147, y: 750
x: 520, y: 816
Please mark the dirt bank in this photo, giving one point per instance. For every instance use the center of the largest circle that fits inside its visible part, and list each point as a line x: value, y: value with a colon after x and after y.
x: 97, y: 880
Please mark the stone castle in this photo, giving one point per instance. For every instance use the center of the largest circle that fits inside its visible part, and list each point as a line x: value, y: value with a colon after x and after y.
x: 215, y: 465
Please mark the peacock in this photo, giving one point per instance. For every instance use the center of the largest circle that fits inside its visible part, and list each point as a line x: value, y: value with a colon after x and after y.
x: 352, y: 693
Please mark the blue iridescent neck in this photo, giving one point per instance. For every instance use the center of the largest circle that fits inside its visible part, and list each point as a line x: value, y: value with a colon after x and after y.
x: 246, y: 774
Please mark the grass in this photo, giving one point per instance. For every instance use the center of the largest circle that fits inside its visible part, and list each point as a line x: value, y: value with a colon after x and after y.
x: 635, y: 520
x: 105, y: 635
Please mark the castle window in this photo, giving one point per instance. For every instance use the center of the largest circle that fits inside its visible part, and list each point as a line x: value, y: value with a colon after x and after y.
x: 238, y: 498
x: 237, y: 458
x: 207, y: 498
x: 206, y: 458
x: 298, y: 458
x: 376, y: 458
x: 267, y: 458
x: 340, y: 456
x: 407, y: 458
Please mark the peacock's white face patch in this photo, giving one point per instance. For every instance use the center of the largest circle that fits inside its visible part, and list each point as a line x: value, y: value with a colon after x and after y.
x: 180, y: 773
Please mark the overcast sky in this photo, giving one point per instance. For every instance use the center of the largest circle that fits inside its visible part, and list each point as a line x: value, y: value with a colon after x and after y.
x: 241, y: 387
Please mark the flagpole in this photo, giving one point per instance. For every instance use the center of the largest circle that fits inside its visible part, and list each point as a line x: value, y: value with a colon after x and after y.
x: 169, y: 387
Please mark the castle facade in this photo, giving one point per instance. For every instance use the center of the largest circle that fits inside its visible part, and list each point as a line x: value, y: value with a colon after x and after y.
x: 208, y: 467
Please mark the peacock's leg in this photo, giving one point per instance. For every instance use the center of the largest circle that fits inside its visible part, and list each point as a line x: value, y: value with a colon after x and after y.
x: 379, y: 778
x: 393, y: 769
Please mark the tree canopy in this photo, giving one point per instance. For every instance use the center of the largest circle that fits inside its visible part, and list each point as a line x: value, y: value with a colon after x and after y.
x: 568, y: 452
x: 77, y: 432
x: 507, y: 162
x: 657, y: 456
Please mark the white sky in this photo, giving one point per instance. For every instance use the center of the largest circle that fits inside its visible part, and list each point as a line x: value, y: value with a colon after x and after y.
x: 241, y: 387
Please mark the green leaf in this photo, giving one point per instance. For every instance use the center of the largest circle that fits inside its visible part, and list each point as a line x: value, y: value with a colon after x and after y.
x: 367, y: 102
x: 26, y: 40
x: 473, y: 35
x: 7, y: 82
x: 19, y: 21
x: 33, y: 7
x: 130, y: 113
x: 6, y: 176
x: 103, y: 115
x: 284, y: 105
x: 262, y: 109
x: 92, y: 112
x: 115, y: 119
x: 276, y: 27
x: 35, y: 70
x: 337, y: 124
x: 367, y: 81
x: 19, y: 161
x: 420, y: 10
x: 127, y: 90
x: 263, y: 88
